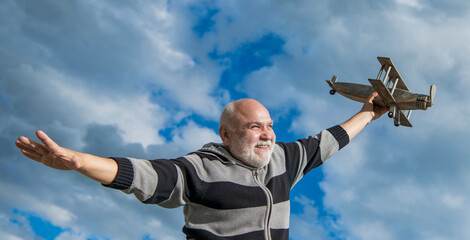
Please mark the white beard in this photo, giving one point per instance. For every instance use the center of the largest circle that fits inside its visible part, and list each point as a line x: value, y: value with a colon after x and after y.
x: 246, y: 153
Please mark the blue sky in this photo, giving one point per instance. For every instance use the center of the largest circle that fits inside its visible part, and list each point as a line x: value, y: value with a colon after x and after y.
x: 148, y: 79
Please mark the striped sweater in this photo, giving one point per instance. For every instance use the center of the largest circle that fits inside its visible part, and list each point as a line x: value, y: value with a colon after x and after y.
x: 223, y: 198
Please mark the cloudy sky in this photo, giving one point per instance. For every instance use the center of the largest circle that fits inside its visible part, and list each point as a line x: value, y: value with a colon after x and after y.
x: 148, y: 79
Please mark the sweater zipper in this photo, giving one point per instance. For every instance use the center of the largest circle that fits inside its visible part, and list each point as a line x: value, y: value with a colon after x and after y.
x: 269, y: 196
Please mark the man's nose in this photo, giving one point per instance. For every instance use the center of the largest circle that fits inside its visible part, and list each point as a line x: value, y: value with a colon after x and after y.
x: 267, y: 134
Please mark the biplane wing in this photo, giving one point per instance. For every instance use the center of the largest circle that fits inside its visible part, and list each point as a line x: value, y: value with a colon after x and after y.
x: 403, y: 120
x: 389, y: 101
x: 383, y: 92
x: 392, y: 72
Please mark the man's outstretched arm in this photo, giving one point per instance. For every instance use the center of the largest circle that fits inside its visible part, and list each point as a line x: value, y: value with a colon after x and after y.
x: 368, y: 113
x: 49, y: 153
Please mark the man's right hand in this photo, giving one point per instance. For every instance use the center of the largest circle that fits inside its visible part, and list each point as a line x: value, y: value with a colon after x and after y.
x: 48, y: 153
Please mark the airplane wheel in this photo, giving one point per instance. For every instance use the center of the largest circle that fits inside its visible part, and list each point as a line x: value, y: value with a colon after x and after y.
x: 396, y: 124
x: 332, y: 92
x: 390, y: 114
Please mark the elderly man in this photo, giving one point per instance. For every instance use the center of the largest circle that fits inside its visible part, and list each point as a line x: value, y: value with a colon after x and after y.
x: 235, y: 190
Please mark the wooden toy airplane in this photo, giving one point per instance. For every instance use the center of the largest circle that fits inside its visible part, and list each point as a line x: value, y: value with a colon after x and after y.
x: 396, y: 97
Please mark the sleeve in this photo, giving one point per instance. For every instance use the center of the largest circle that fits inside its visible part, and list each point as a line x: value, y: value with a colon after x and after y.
x: 159, y: 181
x: 309, y: 153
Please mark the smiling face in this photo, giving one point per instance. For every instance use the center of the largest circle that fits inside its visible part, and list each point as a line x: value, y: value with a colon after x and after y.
x: 247, y: 133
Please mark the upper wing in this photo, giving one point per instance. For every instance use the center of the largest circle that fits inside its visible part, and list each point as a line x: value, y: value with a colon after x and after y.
x: 393, y: 73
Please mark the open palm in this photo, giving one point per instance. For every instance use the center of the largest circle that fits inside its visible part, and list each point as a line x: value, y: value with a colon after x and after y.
x: 48, y: 152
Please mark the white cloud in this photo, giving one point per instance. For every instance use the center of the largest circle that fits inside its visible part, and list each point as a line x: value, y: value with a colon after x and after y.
x: 372, y: 230
x: 453, y: 201
x: 80, y: 207
x: 14, y: 229
x: 411, y: 3
x: 68, y: 235
x: 169, y: 58
x: 382, y: 186
x: 307, y: 224
x: 57, y: 215
x: 134, y: 114
x: 192, y: 137
x: 7, y: 236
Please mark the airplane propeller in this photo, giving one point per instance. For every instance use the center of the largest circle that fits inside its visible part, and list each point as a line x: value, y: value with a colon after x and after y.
x: 432, y: 92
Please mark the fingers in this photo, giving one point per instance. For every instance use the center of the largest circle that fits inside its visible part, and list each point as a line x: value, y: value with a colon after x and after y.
x: 378, y: 109
x: 36, y: 157
x: 372, y: 96
x: 47, y: 140
x: 30, y: 145
x: 48, y: 152
x: 27, y: 150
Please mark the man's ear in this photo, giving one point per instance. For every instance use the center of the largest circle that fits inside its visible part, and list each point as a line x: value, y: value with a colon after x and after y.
x: 224, y: 135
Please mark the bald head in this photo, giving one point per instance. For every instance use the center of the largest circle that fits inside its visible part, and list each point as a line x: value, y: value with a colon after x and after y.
x: 238, y: 109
